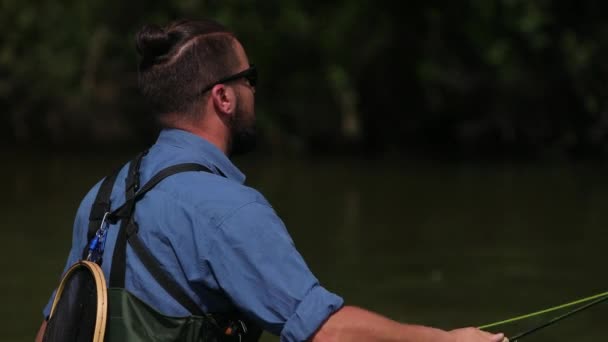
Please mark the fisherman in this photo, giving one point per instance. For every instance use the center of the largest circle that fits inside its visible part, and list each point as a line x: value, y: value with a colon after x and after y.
x: 218, y: 239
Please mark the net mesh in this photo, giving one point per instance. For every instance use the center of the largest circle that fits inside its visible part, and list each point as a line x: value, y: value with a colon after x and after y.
x: 75, y: 314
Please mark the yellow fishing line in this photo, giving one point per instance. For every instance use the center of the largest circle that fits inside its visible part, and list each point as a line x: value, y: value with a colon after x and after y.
x: 541, y: 312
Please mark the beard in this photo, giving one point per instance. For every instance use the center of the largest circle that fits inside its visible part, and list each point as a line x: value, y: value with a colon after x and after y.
x: 243, y: 135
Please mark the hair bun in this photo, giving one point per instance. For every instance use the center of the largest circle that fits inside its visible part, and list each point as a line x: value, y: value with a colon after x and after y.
x: 152, y: 41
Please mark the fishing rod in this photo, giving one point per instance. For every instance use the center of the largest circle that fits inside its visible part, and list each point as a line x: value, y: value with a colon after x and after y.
x: 591, y: 301
x: 558, y: 318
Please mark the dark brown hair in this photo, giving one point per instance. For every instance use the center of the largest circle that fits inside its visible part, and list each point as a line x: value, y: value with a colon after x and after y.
x: 181, y: 59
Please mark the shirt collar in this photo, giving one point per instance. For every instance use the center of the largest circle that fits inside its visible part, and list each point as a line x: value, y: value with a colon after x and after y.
x: 201, y: 150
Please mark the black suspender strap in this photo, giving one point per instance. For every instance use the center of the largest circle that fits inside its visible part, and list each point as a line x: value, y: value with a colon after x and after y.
x: 143, y: 253
x: 122, y: 212
x: 101, y: 205
x: 128, y: 233
x: 153, y: 266
x: 129, y: 229
x: 117, y: 272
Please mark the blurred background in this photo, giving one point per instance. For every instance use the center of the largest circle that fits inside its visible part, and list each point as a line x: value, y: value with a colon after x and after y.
x: 439, y: 162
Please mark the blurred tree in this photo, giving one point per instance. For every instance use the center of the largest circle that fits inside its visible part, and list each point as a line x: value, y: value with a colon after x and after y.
x: 504, y: 78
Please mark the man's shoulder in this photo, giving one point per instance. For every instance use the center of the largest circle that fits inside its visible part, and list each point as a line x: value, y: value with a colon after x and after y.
x: 202, y: 187
x: 210, y: 196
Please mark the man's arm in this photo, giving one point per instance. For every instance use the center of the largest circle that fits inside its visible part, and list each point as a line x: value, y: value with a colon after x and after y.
x: 356, y: 324
x: 278, y: 290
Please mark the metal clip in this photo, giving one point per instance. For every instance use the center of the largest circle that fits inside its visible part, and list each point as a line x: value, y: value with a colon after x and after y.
x: 97, y: 244
x: 103, y: 220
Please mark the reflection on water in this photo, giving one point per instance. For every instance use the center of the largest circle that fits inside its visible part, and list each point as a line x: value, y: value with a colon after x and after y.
x: 441, y: 244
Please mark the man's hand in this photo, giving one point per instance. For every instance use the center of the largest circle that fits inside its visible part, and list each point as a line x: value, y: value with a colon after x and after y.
x: 476, y: 335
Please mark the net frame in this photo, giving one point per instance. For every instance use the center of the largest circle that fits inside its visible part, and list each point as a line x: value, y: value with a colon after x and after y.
x: 102, y: 295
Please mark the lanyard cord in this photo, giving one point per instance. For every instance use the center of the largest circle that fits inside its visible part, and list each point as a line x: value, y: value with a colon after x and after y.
x: 541, y: 312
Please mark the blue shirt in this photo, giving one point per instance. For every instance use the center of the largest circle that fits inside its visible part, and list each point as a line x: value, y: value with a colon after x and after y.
x: 219, y: 239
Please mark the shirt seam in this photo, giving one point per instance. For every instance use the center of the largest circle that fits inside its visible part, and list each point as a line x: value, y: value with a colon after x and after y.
x: 221, y: 219
x: 233, y: 213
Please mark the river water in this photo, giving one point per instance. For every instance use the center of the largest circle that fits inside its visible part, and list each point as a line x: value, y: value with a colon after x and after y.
x: 442, y: 244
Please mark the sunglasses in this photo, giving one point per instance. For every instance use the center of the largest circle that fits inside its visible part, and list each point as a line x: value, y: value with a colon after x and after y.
x: 250, y: 74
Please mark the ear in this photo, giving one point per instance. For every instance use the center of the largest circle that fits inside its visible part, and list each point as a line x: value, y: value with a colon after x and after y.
x: 224, y: 99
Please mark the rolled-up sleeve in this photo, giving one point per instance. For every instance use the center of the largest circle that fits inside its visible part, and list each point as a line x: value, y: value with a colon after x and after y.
x: 256, y: 264
x: 310, y: 314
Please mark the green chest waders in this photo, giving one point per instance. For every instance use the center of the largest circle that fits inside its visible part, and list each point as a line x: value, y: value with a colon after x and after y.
x: 129, y: 318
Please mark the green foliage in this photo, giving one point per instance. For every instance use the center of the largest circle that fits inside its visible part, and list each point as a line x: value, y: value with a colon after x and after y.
x: 475, y: 77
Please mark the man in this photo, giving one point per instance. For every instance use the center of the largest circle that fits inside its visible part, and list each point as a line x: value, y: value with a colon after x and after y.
x: 217, y: 238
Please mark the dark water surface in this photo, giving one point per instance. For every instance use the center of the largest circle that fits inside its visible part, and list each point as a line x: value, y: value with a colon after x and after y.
x: 448, y: 245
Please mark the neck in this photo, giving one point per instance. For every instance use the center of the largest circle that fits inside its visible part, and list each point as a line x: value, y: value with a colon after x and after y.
x: 211, y: 136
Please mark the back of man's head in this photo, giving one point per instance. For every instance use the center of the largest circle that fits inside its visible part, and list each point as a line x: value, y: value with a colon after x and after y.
x: 178, y: 61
